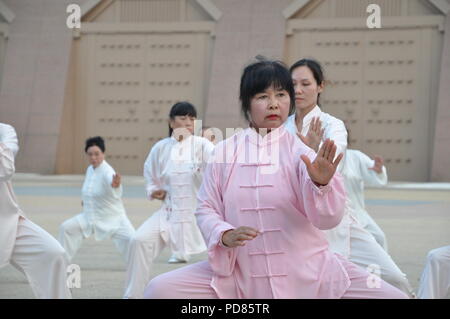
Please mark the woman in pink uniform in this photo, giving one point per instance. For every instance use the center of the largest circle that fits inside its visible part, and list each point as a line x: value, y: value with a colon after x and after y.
x: 264, y: 200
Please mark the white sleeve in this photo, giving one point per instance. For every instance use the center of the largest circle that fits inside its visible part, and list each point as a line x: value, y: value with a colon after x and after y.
x: 7, y: 167
x: 8, y: 137
x: 337, y: 132
x: 370, y: 177
x: 152, y: 172
x: 116, y: 192
x: 207, y: 150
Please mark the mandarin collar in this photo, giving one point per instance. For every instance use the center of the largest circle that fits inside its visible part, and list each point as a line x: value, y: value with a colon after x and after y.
x: 173, y: 139
x: 315, y: 112
x: 103, y: 164
x: 272, y: 137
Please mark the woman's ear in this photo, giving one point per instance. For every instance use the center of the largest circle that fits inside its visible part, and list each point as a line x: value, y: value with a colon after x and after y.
x: 169, y: 121
x: 321, y: 87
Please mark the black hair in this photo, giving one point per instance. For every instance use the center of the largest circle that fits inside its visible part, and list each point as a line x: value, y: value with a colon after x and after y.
x: 315, y: 68
x: 348, y: 136
x: 95, y: 141
x: 259, y: 76
x: 181, y: 109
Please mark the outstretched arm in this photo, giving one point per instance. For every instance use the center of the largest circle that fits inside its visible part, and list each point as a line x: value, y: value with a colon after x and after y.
x: 112, y: 182
x: 322, y: 169
x: 373, y: 171
x: 323, y: 190
x: 116, y: 180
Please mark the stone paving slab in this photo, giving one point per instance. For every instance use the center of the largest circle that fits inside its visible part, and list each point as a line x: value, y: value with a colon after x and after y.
x: 415, y: 220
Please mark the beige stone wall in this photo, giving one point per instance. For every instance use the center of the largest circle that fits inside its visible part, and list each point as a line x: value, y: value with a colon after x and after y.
x: 441, y: 154
x: 33, y: 80
x: 246, y: 29
x: 382, y: 83
x: 131, y: 62
x: 3, y: 42
x: 57, y: 89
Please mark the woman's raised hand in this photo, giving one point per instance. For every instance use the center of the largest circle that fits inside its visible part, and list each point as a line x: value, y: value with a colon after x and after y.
x: 159, y: 194
x: 378, y: 165
x: 238, y: 237
x: 314, y: 135
x: 116, y: 181
x: 324, y: 166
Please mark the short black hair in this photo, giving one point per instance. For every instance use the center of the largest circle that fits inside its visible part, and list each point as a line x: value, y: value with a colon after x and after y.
x: 95, y: 141
x: 181, y: 109
x: 259, y: 76
x: 315, y: 68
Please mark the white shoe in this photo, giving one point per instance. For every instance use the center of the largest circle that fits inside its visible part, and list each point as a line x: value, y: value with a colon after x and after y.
x: 175, y: 260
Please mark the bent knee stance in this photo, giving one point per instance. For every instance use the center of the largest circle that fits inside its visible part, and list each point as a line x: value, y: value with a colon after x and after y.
x: 158, y: 288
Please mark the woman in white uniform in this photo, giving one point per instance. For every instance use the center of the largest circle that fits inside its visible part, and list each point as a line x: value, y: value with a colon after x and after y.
x: 103, y: 212
x: 435, y: 279
x: 173, y: 172
x: 313, y: 127
x: 359, y: 171
x: 25, y: 245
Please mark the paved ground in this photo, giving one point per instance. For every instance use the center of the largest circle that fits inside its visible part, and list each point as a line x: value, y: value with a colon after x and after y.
x: 415, y: 218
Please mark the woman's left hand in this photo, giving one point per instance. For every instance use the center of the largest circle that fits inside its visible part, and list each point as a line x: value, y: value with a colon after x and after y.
x: 116, y: 181
x: 378, y: 164
x: 324, y: 166
x: 314, y: 135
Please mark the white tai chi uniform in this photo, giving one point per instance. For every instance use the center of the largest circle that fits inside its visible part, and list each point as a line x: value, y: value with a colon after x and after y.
x: 103, y: 214
x: 25, y: 245
x: 435, y: 280
x: 357, y: 175
x: 177, y: 168
x: 349, y: 238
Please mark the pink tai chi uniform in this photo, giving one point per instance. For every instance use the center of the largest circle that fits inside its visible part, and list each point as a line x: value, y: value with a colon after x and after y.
x: 261, y: 182
x: 274, y: 194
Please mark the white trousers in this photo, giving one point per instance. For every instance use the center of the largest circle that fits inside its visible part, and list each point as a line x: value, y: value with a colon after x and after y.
x: 71, y: 237
x: 366, y: 252
x: 150, y: 239
x: 40, y: 257
x: 435, y: 280
x: 372, y: 227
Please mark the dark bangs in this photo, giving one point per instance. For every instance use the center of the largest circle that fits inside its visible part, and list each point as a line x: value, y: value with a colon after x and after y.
x: 182, y: 109
x: 259, y: 76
